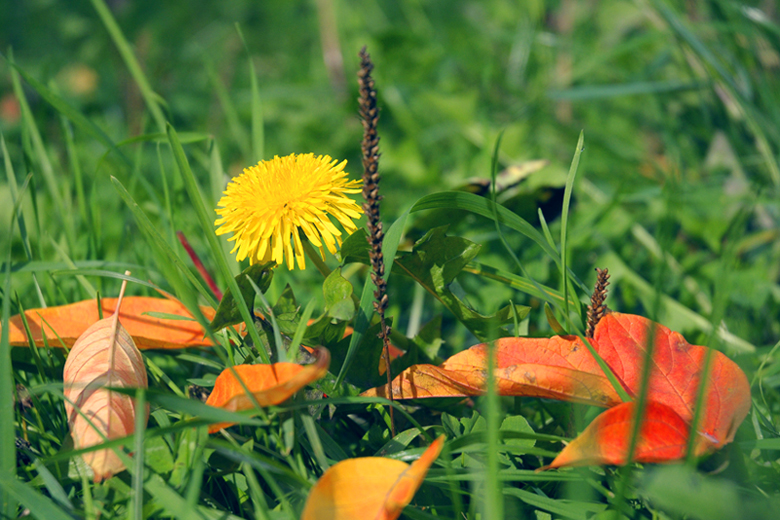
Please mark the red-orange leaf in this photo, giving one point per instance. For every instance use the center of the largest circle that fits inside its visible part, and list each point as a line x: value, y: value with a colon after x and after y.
x: 70, y: 321
x: 103, y: 356
x: 373, y: 488
x: 269, y: 384
x: 662, y: 437
x: 563, y: 368
x: 674, y: 380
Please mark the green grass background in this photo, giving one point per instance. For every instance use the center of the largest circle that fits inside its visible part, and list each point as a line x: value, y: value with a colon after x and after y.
x: 676, y: 193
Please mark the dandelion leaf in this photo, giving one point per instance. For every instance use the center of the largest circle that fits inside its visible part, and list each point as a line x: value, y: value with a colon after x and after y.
x: 227, y: 312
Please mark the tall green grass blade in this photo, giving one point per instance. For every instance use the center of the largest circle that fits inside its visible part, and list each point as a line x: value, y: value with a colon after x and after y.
x: 728, y: 81
x: 564, y: 225
x: 7, y: 434
x: 625, y: 89
x: 281, y: 352
x: 300, y: 330
x: 75, y: 167
x: 259, y: 504
x: 123, y: 46
x: 104, y: 274
x: 493, y: 173
x: 207, y: 224
x: 729, y: 262
x: 38, y: 152
x: 258, y: 133
x: 546, y: 229
x: 53, y: 487
x: 218, y: 178
x: 67, y: 111
x: 563, y: 508
x: 166, y: 196
x: 494, y: 501
x: 157, y: 242
x: 37, y: 359
x: 11, y: 177
x: 229, y: 109
x: 138, y: 458
x: 364, y: 311
x: 88, y: 287
x: 39, y: 505
x: 314, y: 439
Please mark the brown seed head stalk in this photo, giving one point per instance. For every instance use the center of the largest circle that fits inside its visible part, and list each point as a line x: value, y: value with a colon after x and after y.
x: 369, y: 114
x: 597, y: 308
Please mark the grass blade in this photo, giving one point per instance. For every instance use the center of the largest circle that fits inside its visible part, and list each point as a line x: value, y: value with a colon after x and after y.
x: 122, y: 45
x: 40, y: 506
x: 157, y: 242
x: 76, y: 117
x: 207, y: 224
x: 455, y: 200
x: 258, y: 134
x: 575, y: 162
x: 364, y: 310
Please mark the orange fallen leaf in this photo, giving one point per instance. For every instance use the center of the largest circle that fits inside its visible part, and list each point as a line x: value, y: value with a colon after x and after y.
x: 555, y: 368
x: 562, y: 367
x: 70, y: 321
x: 103, y: 356
x: 269, y: 384
x: 373, y: 488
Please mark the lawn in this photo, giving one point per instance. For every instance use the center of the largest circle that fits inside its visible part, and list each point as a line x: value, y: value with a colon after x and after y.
x: 523, y: 147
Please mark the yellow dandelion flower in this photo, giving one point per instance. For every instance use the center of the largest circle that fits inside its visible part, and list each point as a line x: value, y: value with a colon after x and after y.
x: 267, y: 205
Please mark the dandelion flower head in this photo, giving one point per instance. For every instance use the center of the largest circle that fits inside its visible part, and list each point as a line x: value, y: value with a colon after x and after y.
x: 268, y: 205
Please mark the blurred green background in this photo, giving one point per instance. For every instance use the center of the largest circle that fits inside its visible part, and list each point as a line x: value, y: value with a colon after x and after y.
x: 677, y: 189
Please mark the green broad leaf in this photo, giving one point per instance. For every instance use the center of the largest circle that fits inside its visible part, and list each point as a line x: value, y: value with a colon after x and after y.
x: 428, y: 340
x: 157, y: 455
x: 355, y: 248
x: 286, y: 314
x: 324, y: 331
x: 364, y: 371
x: 517, y: 424
x: 338, y: 297
x: 434, y: 263
x: 683, y: 491
x: 228, y: 312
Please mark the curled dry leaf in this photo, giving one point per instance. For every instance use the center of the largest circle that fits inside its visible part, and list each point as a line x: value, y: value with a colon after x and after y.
x: 368, y: 487
x: 103, y: 356
x: 562, y: 367
x: 269, y: 384
x: 68, y: 322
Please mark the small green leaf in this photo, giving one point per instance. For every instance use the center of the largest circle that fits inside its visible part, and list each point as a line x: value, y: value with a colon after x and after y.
x: 552, y: 320
x: 355, y: 248
x: 338, y: 296
x: 435, y: 262
x: 227, y: 312
x: 286, y: 310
